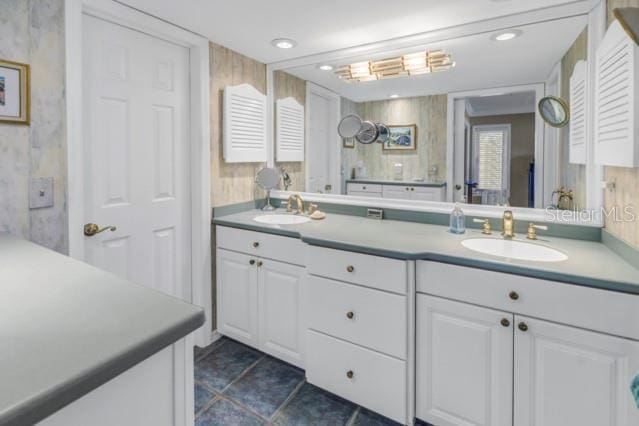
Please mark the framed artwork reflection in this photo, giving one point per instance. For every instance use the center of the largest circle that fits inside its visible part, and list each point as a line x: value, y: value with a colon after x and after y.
x: 14, y: 93
x: 402, y: 138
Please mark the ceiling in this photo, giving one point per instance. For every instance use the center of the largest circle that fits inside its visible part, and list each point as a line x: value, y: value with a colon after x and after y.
x: 248, y: 26
x: 480, y: 63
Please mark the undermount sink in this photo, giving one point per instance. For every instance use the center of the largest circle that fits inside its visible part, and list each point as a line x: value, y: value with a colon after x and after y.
x: 510, y: 249
x: 281, y: 219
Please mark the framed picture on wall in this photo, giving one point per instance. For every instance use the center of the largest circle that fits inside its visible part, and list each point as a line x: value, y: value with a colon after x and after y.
x: 402, y: 138
x: 348, y: 142
x: 14, y: 92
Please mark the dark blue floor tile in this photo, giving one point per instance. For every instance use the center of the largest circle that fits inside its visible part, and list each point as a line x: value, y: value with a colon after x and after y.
x: 225, y: 413
x: 199, y: 353
x: 266, y: 386
x: 202, y: 397
x: 225, y: 364
x: 313, y: 406
x: 421, y: 423
x: 368, y: 418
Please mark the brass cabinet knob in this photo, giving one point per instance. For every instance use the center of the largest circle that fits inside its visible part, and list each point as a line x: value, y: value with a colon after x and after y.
x: 364, y: 188
x: 91, y: 229
x: 514, y: 295
x: 350, y: 315
x: 407, y: 189
x: 350, y: 374
x: 523, y: 326
x: 412, y: 189
x: 251, y: 262
x: 256, y: 244
x: 259, y: 263
x: 350, y: 268
x: 505, y: 322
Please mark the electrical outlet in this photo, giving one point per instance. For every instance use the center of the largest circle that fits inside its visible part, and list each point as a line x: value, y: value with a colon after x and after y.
x: 41, y: 193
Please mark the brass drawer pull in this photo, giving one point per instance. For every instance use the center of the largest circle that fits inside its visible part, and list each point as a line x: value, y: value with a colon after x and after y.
x: 514, y: 295
x: 523, y: 326
x: 251, y: 262
x: 350, y: 268
x: 505, y: 322
x: 350, y: 374
x: 256, y: 244
x: 259, y: 263
x: 350, y: 315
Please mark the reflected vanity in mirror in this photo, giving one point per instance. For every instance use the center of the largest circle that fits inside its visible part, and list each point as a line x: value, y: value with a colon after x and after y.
x: 482, y: 119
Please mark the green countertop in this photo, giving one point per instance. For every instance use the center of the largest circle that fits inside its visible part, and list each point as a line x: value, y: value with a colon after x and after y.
x: 589, y: 263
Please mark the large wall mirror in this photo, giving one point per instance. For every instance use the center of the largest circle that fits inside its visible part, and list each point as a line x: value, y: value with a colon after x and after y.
x: 463, y: 115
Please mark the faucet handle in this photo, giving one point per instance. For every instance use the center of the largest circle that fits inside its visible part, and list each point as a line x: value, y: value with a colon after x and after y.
x: 312, y: 208
x: 486, y: 229
x: 532, y: 230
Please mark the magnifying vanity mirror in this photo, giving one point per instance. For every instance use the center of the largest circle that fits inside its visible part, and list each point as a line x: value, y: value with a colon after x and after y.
x: 268, y: 179
x: 480, y: 118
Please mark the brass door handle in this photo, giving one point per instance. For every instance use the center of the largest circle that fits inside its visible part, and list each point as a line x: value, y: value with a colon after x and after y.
x: 350, y: 268
x: 350, y: 374
x: 91, y: 229
x: 350, y: 315
x: 505, y: 322
x: 523, y: 326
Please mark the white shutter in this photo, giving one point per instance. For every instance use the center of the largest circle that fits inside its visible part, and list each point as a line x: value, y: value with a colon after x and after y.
x: 290, y: 130
x: 578, y: 108
x: 617, y: 94
x: 245, y: 127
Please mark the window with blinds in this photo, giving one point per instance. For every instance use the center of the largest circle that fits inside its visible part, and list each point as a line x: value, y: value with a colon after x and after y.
x: 491, y: 153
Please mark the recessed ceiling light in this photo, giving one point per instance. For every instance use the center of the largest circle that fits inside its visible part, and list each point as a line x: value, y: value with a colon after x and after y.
x: 325, y: 67
x: 284, y: 43
x: 393, y: 96
x: 506, y: 35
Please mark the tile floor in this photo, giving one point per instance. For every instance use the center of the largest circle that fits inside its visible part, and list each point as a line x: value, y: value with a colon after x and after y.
x: 236, y: 385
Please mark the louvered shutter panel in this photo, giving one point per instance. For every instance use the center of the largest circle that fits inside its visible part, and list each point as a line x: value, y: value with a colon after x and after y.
x: 245, y: 127
x: 289, y: 124
x: 578, y: 108
x: 617, y: 94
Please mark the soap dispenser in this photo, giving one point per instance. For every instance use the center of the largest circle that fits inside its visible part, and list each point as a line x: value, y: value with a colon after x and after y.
x: 457, y: 220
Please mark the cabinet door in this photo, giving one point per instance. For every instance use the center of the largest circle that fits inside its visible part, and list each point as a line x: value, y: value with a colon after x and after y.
x: 426, y: 194
x: 569, y: 376
x: 237, y: 296
x: 279, y: 294
x: 464, y: 364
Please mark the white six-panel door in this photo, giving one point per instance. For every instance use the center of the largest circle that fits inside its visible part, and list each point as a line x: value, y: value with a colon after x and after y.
x: 568, y: 376
x: 136, y: 151
x: 279, y: 301
x: 464, y: 364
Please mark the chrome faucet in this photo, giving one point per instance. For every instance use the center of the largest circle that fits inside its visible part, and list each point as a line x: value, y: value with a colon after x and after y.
x: 508, y: 225
x: 298, y: 200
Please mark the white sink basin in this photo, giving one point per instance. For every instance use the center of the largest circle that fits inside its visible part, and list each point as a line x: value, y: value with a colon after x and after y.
x: 514, y: 249
x: 281, y: 219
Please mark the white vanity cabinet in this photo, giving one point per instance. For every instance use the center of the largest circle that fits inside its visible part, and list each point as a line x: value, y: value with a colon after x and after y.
x: 359, y: 312
x: 491, y: 350
x: 259, y: 291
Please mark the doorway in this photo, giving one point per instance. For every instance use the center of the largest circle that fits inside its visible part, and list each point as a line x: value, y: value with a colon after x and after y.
x: 137, y: 110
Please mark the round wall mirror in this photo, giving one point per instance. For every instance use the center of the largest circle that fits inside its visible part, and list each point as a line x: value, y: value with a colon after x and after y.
x: 554, y: 111
x: 349, y: 126
x: 268, y: 178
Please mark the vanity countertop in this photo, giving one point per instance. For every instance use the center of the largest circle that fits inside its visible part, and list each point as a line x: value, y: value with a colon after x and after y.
x: 398, y: 182
x: 589, y: 263
x: 67, y: 328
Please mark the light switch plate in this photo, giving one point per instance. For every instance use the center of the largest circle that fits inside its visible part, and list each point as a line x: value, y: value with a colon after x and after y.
x: 41, y: 193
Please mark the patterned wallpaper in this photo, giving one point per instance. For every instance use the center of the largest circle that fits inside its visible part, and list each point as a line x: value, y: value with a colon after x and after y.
x: 32, y: 31
x: 427, y: 161
x: 231, y: 182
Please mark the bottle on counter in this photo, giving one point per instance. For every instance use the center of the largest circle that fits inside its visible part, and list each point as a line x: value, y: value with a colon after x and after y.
x: 457, y: 220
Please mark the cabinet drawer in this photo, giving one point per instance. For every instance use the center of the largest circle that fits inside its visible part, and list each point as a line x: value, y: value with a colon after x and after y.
x: 370, y: 271
x: 267, y: 246
x: 364, y: 187
x: 600, y: 310
x: 364, y: 194
x: 370, y: 318
x: 378, y: 382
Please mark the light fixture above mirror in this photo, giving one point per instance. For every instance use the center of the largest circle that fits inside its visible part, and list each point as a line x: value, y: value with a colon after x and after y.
x: 401, y: 66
